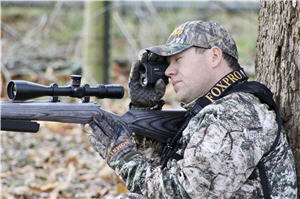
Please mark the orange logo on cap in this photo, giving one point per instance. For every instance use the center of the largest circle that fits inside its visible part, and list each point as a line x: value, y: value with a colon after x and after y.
x: 176, y: 32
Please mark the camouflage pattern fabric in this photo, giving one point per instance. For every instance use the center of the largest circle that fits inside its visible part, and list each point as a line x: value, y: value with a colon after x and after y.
x: 148, y: 147
x: 131, y: 196
x: 222, y: 146
x: 200, y: 34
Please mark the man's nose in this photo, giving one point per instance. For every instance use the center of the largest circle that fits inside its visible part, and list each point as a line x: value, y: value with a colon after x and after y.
x: 170, y: 71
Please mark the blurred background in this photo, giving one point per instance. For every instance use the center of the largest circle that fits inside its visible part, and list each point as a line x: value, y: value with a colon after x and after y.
x: 47, y: 41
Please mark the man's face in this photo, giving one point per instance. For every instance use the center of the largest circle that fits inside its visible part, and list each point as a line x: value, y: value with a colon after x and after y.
x: 190, y: 74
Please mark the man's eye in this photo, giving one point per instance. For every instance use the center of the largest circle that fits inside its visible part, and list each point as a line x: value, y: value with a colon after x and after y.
x: 178, y: 58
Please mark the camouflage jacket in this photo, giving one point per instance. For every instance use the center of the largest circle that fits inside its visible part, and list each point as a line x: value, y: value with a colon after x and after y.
x: 222, y: 146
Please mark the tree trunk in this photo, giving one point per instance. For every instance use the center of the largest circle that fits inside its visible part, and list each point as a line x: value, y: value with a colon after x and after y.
x: 95, y: 45
x: 278, y: 63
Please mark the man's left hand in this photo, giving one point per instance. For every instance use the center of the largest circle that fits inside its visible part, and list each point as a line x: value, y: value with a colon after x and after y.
x: 110, y: 138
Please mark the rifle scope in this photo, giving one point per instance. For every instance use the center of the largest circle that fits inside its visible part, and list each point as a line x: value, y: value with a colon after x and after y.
x: 25, y: 90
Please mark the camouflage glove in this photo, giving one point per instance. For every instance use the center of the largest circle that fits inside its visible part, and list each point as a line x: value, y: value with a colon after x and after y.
x: 146, y: 97
x: 111, y: 139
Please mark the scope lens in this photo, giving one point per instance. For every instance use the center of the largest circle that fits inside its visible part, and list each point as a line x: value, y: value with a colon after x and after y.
x: 144, y: 81
x: 14, y: 90
x: 11, y: 90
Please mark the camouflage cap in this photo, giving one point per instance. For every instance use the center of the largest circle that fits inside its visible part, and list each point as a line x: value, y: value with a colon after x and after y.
x: 199, y: 34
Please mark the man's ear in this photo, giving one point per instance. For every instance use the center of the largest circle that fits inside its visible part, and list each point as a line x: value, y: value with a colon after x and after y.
x: 216, y: 56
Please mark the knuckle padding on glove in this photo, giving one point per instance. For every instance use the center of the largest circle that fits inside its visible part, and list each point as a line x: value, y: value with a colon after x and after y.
x: 135, y: 71
x: 98, y: 134
x: 93, y: 125
x: 144, y: 57
x: 113, y: 125
x: 101, y: 122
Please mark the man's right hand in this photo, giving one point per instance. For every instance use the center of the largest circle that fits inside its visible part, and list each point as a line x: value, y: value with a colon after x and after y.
x: 146, y: 97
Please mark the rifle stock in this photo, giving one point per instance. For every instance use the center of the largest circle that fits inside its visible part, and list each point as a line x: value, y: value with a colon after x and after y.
x: 159, y: 125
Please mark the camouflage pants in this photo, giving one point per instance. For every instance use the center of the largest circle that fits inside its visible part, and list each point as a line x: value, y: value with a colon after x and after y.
x: 131, y: 196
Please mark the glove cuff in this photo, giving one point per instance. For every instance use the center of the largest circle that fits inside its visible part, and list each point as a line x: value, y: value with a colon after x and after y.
x: 119, y: 152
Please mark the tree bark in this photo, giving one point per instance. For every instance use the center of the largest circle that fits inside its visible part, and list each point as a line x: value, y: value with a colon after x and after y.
x: 278, y: 63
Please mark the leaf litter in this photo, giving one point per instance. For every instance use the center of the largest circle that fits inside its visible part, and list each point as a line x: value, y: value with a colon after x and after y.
x: 56, y: 162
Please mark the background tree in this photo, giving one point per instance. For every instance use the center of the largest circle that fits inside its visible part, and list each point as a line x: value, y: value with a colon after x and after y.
x: 278, y: 63
x: 96, y: 42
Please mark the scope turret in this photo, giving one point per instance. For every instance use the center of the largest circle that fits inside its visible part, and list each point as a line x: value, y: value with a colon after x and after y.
x: 25, y: 90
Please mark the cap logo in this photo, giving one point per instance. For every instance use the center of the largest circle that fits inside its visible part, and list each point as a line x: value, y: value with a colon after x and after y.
x: 176, y: 32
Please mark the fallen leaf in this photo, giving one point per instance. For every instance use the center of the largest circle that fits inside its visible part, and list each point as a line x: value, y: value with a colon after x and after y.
x: 47, y: 187
x: 72, y: 160
x: 104, y: 191
x: 87, y: 177
x: 106, y: 173
x: 21, y: 190
x: 120, y: 188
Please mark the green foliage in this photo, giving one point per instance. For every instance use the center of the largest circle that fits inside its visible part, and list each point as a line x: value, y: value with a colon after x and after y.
x: 61, y: 27
x: 69, y: 27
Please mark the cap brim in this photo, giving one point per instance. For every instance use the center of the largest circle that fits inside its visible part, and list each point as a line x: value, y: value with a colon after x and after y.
x: 168, y: 49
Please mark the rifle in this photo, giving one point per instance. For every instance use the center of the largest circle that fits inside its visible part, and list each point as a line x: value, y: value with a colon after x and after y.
x: 21, y: 115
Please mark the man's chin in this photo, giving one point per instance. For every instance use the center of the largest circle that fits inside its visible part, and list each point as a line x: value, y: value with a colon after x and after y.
x: 182, y: 99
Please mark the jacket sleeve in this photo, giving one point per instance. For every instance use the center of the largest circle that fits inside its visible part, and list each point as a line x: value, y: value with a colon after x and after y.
x: 224, y: 143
